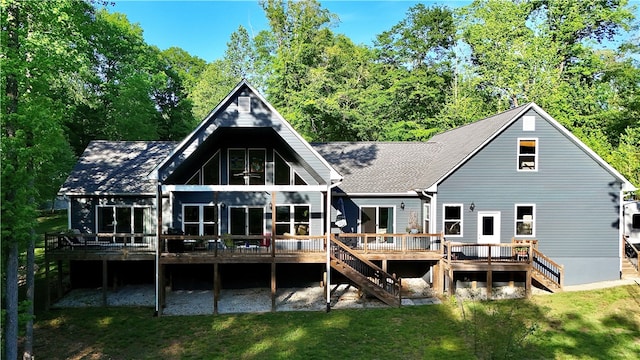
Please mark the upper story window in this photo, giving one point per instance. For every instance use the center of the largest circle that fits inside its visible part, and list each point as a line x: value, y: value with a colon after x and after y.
x: 283, y: 174
x: 525, y: 220
x: 527, y: 154
x: 208, y: 174
x: 453, y: 219
x: 247, y: 166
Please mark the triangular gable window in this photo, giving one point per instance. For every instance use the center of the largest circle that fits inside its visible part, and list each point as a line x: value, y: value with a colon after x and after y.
x: 283, y: 173
x: 208, y: 174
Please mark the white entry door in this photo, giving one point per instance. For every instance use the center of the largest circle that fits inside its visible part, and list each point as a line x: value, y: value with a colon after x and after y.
x: 489, y: 232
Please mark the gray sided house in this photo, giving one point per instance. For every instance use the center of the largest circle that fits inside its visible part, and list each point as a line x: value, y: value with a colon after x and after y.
x: 245, y: 188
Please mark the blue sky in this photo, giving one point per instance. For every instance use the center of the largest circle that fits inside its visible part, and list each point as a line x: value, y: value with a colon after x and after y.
x: 202, y: 28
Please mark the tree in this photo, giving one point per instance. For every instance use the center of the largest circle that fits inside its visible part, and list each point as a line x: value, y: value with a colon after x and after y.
x: 553, y: 53
x: 213, y: 85
x: 413, y: 65
x: 34, y: 55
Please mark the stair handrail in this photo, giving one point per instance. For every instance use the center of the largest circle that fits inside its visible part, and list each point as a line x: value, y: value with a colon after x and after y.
x: 629, y: 250
x: 387, y: 282
x: 548, y: 268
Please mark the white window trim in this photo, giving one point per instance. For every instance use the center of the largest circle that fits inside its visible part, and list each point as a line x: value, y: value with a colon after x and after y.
x: 292, y: 221
x: 246, y: 214
x: 461, y: 206
x: 515, y: 220
x: 426, y: 216
x: 291, y: 171
x: 217, y: 153
x: 377, y: 207
x: 201, y: 221
x: 535, y: 156
x: 247, y: 162
x: 132, y: 221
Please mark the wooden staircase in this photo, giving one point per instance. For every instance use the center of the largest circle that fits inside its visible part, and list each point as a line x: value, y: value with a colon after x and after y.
x: 367, y: 275
x: 629, y: 260
x: 628, y: 270
x: 546, y: 272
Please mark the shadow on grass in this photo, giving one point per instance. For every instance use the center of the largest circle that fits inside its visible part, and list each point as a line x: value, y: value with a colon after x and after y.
x: 406, y: 333
x: 596, y: 324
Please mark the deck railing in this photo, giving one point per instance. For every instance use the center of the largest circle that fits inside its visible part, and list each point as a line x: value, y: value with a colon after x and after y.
x: 237, y: 244
x: 487, y: 253
x: 100, y: 242
x: 380, y: 278
x: 549, y: 269
x: 391, y: 242
x: 631, y: 253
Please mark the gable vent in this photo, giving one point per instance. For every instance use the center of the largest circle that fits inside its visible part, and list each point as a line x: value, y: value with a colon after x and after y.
x: 244, y: 104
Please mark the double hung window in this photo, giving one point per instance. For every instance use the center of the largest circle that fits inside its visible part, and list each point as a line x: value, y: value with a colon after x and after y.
x: 527, y: 155
x: 292, y: 219
x: 453, y: 219
x: 525, y: 220
x: 124, y: 220
x: 200, y: 219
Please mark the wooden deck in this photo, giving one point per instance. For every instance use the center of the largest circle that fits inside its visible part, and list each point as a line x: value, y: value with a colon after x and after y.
x: 447, y: 258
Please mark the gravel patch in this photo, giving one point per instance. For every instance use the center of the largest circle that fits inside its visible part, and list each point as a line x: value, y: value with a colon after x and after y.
x: 253, y: 300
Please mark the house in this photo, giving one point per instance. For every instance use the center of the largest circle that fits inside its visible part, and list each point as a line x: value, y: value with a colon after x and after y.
x: 515, y: 196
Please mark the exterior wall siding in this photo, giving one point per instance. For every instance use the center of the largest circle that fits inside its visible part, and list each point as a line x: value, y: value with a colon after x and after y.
x: 352, y: 207
x: 83, y: 209
x: 576, y: 200
x: 260, y: 116
x: 231, y: 199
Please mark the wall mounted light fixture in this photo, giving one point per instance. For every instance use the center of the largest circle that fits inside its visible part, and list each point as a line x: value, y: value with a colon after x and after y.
x: 402, y: 205
x: 472, y: 206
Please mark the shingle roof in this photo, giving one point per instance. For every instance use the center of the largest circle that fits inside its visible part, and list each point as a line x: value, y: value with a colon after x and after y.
x: 457, y: 144
x: 400, y: 167
x: 379, y: 167
x: 116, y: 167
x: 112, y: 167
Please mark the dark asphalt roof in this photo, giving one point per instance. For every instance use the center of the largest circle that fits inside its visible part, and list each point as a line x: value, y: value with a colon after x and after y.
x: 121, y: 167
x: 116, y: 167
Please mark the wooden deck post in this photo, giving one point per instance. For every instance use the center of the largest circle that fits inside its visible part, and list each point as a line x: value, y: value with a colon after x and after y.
x: 489, y: 283
x: 451, y: 283
x: 162, y: 292
x: 60, y: 278
x: 384, y: 265
x: 216, y: 287
x: 527, y: 284
x: 436, y: 282
x: 104, y: 283
x: 47, y: 275
x: 273, y: 286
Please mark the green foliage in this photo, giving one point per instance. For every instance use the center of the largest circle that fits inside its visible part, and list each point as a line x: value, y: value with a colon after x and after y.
x: 213, y: 85
x: 496, y: 330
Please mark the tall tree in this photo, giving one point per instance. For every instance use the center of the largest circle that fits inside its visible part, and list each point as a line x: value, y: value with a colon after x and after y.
x: 414, y: 67
x: 214, y: 84
x: 34, y: 55
x: 554, y: 53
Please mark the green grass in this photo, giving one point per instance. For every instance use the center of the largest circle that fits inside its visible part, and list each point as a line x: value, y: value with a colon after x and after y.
x: 599, y: 324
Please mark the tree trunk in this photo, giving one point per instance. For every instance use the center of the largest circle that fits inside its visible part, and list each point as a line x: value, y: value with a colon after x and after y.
x: 11, y: 326
x: 11, y: 299
x: 28, y: 342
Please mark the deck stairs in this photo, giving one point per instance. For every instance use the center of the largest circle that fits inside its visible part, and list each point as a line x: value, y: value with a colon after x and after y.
x: 630, y: 261
x: 546, y: 272
x: 368, y: 276
x: 628, y: 270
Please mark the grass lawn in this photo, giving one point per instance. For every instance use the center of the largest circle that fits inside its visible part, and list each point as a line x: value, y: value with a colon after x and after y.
x: 599, y: 324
